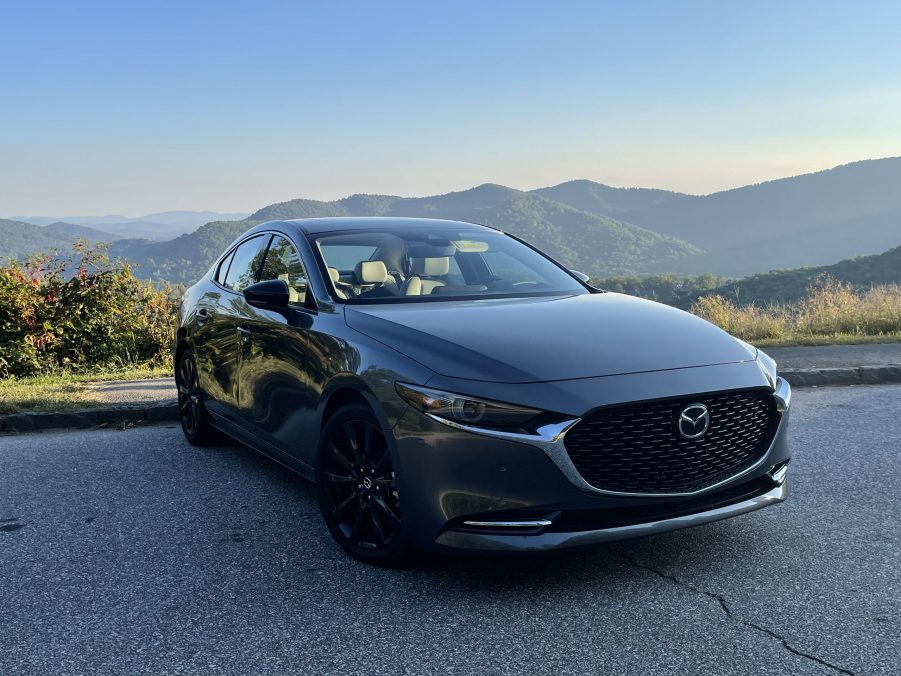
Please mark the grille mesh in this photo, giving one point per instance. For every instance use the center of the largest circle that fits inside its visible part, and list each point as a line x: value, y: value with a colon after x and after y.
x: 638, y: 448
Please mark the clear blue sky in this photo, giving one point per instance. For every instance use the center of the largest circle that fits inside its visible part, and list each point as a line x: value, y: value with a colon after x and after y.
x: 114, y: 107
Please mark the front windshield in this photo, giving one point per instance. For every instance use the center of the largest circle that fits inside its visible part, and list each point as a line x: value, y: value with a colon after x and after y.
x: 408, y: 264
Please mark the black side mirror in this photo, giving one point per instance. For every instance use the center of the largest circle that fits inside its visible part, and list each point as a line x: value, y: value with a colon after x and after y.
x: 269, y: 295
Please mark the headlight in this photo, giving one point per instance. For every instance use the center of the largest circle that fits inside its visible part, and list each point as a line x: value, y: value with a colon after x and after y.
x: 768, y: 365
x: 465, y: 410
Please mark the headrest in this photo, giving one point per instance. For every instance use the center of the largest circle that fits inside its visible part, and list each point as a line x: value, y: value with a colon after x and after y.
x: 371, y: 272
x: 431, y: 267
x: 334, y: 275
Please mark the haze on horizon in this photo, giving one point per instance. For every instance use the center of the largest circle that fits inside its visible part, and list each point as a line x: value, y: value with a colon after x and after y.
x: 115, y: 108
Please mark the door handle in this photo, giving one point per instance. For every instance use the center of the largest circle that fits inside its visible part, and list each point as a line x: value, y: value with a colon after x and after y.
x: 245, y: 333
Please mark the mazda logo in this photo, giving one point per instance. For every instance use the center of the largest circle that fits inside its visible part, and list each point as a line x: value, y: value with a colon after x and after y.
x: 693, y: 421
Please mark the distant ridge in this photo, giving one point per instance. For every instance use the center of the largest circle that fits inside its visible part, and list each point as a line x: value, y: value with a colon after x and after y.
x: 809, y: 220
x: 790, y: 285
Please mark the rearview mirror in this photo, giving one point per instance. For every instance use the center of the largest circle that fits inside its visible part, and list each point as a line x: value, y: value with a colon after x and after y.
x: 581, y: 276
x: 269, y: 295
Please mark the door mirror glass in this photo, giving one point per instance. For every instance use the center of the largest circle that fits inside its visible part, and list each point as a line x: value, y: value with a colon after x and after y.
x: 271, y: 294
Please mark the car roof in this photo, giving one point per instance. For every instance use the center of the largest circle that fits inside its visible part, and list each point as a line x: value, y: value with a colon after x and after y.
x: 316, y: 226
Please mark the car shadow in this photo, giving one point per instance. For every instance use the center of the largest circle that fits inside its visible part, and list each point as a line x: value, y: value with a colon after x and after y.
x: 706, y: 550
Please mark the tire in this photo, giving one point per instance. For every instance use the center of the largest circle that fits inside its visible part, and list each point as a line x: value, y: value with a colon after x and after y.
x: 195, y: 420
x: 361, y: 508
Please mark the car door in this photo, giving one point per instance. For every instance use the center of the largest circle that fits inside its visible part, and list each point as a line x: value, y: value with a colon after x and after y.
x: 222, y: 311
x: 276, y: 399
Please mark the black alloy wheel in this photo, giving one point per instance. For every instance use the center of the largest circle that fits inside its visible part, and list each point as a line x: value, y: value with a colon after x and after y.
x: 357, y: 488
x: 195, y: 421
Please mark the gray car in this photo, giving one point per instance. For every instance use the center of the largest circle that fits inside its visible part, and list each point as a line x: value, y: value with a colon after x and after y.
x: 449, y: 387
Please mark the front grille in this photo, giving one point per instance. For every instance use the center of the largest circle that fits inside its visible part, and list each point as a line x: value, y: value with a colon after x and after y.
x: 638, y: 449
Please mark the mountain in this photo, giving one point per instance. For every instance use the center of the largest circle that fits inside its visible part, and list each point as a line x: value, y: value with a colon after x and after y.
x: 596, y: 198
x: 789, y: 285
x: 18, y: 239
x: 71, y: 231
x: 594, y: 243
x: 183, y: 259
x: 589, y: 242
x: 157, y: 226
x: 814, y: 219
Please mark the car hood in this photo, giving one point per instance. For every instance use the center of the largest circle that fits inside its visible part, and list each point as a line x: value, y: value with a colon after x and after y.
x: 525, y: 340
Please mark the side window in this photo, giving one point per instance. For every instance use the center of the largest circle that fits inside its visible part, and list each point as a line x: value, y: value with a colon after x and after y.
x: 283, y: 262
x: 246, y: 263
x: 223, y: 268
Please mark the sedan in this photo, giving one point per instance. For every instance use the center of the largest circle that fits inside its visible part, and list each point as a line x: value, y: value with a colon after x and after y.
x: 449, y: 387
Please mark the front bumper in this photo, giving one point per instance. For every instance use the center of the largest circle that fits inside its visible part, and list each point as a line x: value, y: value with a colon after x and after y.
x: 467, y: 491
x: 541, y: 541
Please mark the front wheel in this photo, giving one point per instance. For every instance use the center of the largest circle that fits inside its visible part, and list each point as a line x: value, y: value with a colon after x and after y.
x: 357, y: 488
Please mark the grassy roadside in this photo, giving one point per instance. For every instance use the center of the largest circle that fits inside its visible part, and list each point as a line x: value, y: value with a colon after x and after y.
x: 834, y: 339
x: 63, y: 390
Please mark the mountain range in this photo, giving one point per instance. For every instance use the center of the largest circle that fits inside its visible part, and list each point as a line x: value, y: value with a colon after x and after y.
x: 809, y: 220
x: 157, y: 226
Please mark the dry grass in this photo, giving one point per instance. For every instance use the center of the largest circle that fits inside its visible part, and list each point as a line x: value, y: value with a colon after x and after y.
x: 831, y: 311
x: 62, y: 390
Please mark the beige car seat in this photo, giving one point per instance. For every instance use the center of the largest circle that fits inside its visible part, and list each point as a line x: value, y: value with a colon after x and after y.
x: 422, y: 282
x: 293, y: 295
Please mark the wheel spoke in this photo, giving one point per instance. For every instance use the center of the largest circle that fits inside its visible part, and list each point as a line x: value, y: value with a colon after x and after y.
x: 386, y: 510
x: 350, y: 437
x: 383, y: 461
x: 377, y: 528
x: 339, y: 478
x: 357, y: 531
x: 350, y: 500
x: 340, y: 457
x: 187, y: 405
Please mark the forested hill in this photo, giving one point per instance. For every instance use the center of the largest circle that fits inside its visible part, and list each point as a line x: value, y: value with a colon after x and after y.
x: 813, y: 219
x: 789, y: 285
x: 19, y: 239
x: 598, y: 245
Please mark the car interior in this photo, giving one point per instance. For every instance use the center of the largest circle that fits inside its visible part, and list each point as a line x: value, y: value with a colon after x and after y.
x: 372, y: 265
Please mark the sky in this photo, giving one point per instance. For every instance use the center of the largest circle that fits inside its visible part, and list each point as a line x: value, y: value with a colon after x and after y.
x: 130, y: 108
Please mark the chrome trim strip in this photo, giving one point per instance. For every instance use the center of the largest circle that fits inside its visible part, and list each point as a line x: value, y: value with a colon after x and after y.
x: 546, y: 541
x: 537, y: 523
x: 779, y: 475
x: 550, y: 440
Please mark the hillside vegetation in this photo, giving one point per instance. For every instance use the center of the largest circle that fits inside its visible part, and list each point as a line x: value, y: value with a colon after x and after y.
x: 80, y: 313
x: 830, y: 309
x: 791, y: 285
x: 18, y: 239
x: 591, y: 243
x: 809, y: 220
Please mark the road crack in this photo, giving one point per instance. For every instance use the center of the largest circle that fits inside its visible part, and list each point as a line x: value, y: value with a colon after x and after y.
x: 732, y: 615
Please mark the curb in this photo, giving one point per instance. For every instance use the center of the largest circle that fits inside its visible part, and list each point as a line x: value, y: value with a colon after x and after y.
x: 167, y: 411
x: 879, y: 374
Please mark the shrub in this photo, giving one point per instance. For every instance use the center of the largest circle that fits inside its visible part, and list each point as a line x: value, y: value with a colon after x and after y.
x: 829, y: 308
x: 81, y: 312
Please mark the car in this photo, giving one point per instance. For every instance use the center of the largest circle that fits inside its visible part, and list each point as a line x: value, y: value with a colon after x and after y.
x: 449, y: 387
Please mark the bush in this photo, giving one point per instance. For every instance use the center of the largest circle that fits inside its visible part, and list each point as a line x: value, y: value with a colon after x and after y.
x: 79, y: 313
x: 829, y: 308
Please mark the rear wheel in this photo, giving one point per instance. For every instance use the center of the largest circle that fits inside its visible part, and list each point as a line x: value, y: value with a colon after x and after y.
x: 357, y: 488
x: 195, y: 421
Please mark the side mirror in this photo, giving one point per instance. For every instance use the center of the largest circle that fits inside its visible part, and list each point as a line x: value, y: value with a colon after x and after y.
x: 269, y: 295
x: 581, y: 276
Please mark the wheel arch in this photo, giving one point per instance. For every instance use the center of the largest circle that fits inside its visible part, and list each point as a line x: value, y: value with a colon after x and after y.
x: 349, y: 389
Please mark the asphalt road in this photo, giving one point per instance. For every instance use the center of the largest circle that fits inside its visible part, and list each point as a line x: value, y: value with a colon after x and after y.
x: 128, y: 552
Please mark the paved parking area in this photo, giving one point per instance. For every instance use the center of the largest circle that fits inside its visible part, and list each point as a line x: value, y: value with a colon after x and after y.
x: 130, y: 551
